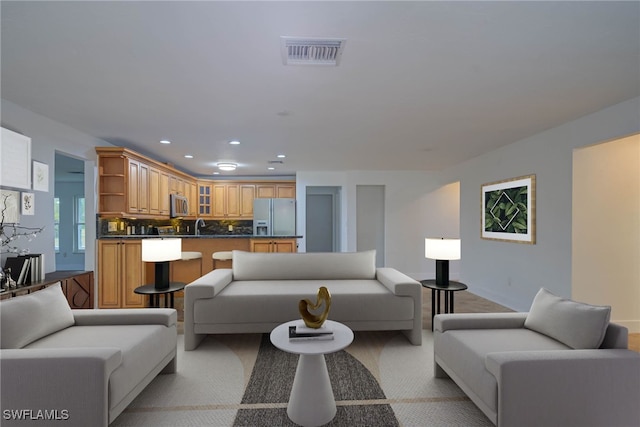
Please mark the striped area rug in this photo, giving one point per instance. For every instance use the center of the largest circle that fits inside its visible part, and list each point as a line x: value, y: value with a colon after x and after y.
x: 358, y: 393
x: 242, y: 380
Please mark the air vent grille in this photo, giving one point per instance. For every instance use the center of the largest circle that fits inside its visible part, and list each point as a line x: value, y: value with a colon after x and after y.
x: 311, y: 51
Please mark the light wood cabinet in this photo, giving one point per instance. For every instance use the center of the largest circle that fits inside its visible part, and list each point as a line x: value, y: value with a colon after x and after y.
x: 276, y: 190
x: 234, y: 200
x: 158, y: 192
x: 231, y: 200
x: 120, y: 271
x: 193, y: 199
x: 273, y: 245
x: 205, y: 199
x: 138, y: 187
x: 130, y: 184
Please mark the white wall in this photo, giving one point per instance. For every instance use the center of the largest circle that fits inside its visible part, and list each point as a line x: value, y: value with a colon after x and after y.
x: 47, y: 137
x: 606, y: 228
x: 511, y: 273
x: 416, y: 206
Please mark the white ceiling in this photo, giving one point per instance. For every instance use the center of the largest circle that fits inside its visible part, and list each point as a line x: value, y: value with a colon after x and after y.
x: 421, y: 85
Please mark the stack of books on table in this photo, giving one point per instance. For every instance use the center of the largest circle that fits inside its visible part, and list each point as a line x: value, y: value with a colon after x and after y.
x: 303, y: 333
x: 26, y: 269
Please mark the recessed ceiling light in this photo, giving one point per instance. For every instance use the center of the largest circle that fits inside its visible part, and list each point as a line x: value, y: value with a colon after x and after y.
x: 234, y: 142
x: 281, y: 156
x: 216, y: 173
x: 165, y: 141
x: 271, y: 168
x: 227, y: 166
x: 188, y: 156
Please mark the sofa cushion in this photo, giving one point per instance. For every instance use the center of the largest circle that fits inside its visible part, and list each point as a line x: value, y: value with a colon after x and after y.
x: 464, y: 351
x: 578, y: 325
x: 27, y: 318
x: 257, y: 301
x: 142, y: 347
x: 304, y: 266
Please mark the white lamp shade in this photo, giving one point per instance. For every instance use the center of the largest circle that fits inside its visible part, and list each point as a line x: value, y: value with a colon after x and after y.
x: 444, y: 249
x: 159, y: 250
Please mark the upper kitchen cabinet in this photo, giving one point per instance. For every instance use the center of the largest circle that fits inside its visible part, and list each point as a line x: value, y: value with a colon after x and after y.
x: 130, y: 184
x: 232, y: 200
x: 280, y: 190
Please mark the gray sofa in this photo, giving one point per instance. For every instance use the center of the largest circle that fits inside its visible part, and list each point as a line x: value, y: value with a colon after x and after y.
x: 78, y: 367
x: 262, y: 290
x: 560, y: 364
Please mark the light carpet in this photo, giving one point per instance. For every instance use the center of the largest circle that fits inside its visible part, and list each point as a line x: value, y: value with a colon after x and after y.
x: 217, y: 385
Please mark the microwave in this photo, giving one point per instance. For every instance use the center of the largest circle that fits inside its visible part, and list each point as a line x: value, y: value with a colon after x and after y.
x: 179, y: 205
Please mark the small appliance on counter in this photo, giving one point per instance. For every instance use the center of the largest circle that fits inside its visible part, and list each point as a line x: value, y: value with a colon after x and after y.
x: 274, y: 217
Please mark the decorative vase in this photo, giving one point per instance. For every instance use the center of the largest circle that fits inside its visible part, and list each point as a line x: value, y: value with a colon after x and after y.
x: 312, y: 320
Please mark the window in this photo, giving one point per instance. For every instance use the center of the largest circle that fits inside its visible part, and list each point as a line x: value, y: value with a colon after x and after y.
x: 56, y: 223
x: 78, y: 238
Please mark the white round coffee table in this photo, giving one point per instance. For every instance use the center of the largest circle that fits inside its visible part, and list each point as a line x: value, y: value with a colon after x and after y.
x: 311, y: 402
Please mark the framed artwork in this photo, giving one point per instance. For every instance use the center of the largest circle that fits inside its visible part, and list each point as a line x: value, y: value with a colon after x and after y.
x: 509, y: 210
x: 28, y: 204
x: 40, y: 176
x: 9, y: 213
x: 15, y: 160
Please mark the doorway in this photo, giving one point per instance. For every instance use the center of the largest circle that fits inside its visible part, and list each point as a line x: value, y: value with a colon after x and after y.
x: 69, y: 213
x: 322, y: 232
x: 370, y: 220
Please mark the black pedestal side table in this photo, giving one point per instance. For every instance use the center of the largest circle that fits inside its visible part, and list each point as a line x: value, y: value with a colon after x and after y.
x: 448, y: 295
x: 154, y: 294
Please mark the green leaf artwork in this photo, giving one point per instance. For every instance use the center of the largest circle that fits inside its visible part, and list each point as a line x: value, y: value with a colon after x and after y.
x: 505, y: 210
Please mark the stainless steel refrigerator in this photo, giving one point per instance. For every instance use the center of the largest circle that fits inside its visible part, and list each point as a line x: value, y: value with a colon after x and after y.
x: 274, y: 217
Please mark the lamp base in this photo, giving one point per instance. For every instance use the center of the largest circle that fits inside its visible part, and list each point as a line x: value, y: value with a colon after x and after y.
x: 442, y: 272
x: 162, y: 275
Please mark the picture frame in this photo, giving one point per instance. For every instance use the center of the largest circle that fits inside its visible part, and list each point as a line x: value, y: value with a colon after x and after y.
x: 15, y: 160
x: 40, y: 176
x: 28, y: 204
x: 508, y: 210
x: 9, y: 202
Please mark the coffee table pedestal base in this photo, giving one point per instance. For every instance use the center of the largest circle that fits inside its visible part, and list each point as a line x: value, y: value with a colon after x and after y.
x: 311, y: 402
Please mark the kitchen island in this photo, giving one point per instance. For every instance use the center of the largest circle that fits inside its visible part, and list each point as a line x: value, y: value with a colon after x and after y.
x: 121, y: 270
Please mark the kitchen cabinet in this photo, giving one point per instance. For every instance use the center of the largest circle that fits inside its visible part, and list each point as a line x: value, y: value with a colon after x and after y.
x: 276, y: 190
x: 192, y: 196
x: 273, y: 245
x: 158, y: 192
x: 130, y: 184
x: 138, y: 187
x: 205, y: 198
x: 120, y: 271
x: 232, y: 200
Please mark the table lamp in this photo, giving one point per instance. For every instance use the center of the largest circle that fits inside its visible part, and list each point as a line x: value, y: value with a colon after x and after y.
x: 161, y: 251
x: 442, y: 250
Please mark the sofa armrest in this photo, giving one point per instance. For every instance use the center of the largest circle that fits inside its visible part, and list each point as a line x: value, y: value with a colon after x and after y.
x: 451, y: 321
x: 209, y: 285
x: 398, y: 283
x: 73, y: 381
x: 130, y: 316
x: 575, y: 387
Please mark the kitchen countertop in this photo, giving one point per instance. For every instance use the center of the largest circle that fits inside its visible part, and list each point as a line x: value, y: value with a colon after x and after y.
x: 202, y: 236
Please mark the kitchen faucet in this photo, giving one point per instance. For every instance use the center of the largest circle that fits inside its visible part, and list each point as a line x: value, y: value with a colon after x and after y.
x: 198, y: 221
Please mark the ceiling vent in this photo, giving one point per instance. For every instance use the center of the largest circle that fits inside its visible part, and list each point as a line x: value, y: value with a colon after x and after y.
x: 311, y: 51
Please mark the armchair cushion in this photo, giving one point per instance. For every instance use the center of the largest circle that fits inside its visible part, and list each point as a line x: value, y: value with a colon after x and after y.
x: 27, y: 318
x: 578, y: 325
